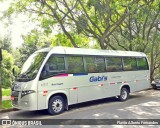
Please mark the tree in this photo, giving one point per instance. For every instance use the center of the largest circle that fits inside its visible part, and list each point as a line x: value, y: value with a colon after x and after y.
x: 62, y: 40
x: 7, y: 62
x: 96, y: 19
x: 34, y: 41
x: 6, y: 69
x: 141, y: 32
x: 5, y: 43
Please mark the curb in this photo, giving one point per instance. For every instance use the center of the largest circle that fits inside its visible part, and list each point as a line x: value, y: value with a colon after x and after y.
x: 8, y: 110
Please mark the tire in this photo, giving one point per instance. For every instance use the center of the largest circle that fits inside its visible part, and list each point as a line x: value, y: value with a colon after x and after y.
x: 56, y: 105
x: 124, y: 94
x: 154, y: 86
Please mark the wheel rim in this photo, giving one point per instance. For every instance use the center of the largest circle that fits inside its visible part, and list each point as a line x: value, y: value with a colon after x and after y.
x: 124, y: 95
x: 57, y: 105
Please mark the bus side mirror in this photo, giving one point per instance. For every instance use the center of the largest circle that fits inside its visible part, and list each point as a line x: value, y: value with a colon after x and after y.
x: 13, y: 71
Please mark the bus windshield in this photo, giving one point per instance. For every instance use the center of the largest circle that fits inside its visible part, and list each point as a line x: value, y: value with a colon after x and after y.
x: 31, y: 66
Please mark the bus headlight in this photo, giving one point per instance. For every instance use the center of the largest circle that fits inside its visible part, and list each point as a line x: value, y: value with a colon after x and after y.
x: 27, y: 92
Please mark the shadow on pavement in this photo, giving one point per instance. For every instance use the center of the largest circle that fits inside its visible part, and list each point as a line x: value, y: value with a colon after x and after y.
x: 43, y: 113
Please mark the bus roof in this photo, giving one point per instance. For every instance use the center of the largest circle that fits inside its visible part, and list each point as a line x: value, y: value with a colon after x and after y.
x: 44, y: 50
x: 84, y: 51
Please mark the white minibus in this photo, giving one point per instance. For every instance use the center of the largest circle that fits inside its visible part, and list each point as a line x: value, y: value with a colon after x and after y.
x: 54, y: 78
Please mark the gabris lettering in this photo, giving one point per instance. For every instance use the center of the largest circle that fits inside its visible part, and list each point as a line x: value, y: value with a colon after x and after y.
x: 97, y: 78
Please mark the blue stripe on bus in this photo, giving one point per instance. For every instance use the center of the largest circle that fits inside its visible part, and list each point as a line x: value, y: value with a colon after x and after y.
x: 80, y: 74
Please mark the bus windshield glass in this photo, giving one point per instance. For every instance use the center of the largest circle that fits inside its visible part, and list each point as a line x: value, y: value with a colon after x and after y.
x: 31, y: 66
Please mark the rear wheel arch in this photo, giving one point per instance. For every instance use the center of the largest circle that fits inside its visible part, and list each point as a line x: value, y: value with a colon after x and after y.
x: 124, y: 93
x: 127, y: 87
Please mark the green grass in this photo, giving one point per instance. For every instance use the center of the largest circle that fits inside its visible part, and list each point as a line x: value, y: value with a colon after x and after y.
x: 6, y: 92
x: 6, y: 104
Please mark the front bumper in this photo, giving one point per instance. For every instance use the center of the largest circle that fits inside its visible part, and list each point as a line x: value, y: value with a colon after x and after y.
x: 25, y: 103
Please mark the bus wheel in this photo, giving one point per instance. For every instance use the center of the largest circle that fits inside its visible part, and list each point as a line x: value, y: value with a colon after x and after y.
x: 124, y: 94
x: 56, y: 105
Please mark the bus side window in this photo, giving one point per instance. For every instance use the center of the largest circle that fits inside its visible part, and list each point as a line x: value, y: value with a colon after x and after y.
x: 75, y: 64
x: 90, y: 64
x: 114, y: 64
x: 100, y: 63
x: 142, y: 64
x: 130, y: 64
x: 92, y: 68
x: 53, y: 66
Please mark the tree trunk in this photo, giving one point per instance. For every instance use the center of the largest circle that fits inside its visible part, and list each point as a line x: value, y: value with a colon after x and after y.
x: 0, y: 87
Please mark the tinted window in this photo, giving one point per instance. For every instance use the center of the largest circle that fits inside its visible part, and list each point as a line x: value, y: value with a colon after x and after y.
x: 90, y: 64
x: 53, y: 66
x: 142, y: 64
x: 130, y: 64
x: 100, y: 63
x: 75, y: 64
x: 95, y: 64
x: 113, y: 64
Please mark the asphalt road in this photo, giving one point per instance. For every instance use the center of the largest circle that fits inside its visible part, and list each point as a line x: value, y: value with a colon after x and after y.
x: 140, y: 105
